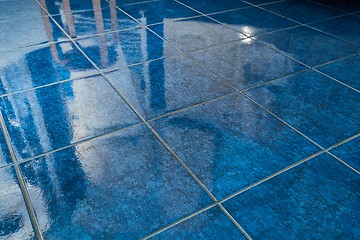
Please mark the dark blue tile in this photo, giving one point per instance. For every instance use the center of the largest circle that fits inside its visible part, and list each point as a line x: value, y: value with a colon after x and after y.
x: 5, y: 158
x: 128, y: 2
x: 253, y: 21
x: 346, y: 27
x: 122, y: 186
x: 211, y: 224
x: 350, y: 153
x: 346, y: 70
x: 259, y: 2
x: 246, y: 63
x: 14, y: 10
x: 44, y: 64
x: 120, y: 49
x: 212, y: 6
x: 316, y: 200
x: 343, y: 5
x: 301, y: 42
x: 158, y: 11
x: 231, y: 143
x: 63, y: 7
x: 166, y: 85
x: 96, y: 21
x: 302, y: 11
x: 324, y: 110
x: 28, y: 32
x: 14, y: 219
x: 52, y: 117
x: 195, y: 33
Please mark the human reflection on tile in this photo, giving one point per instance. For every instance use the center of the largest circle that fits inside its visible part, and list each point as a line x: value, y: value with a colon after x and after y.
x: 253, y: 21
x: 121, y: 186
x: 14, y: 219
x: 48, y: 118
x: 346, y: 27
x: 302, y: 11
x: 316, y: 200
x: 211, y: 224
x: 231, y: 143
x: 301, y: 42
x: 196, y: 33
x: 5, y: 158
x: 349, y: 152
x: 158, y: 11
x: 55, y: 7
x: 28, y: 32
x: 166, y: 85
x: 346, y: 70
x: 324, y: 110
x: 96, y: 21
x: 14, y: 10
x: 212, y: 6
x: 246, y: 63
x: 44, y: 64
x: 120, y: 49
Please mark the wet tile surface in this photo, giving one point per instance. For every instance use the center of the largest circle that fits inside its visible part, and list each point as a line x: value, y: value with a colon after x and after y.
x: 213, y: 6
x: 300, y: 43
x: 124, y: 185
x: 55, y: 7
x: 345, y: 70
x: 246, y: 63
x: 14, y: 218
x: 226, y: 143
x: 5, y: 158
x: 211, y: 224
x: 306, y: 101
x: 163, y: 86
x: 52, y: 117
x: 350, y: 153
x: 297, y: 205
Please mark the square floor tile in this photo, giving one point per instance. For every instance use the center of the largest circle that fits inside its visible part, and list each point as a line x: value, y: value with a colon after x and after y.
x: 28, y: 32
x: 346, y: 70
x: 344, y: 5
x: 253, y: 21
x: 16, y: 9
x: 44, y: 64
x: 302, y: 11
x: 5, y: 158
x: 346, y: 27
x: 231, y: 143
x: 246, y: 63
x: 120, y: 49
x: 211, y: 224
x: 166, y: 85
x: 259, y: 2
x: 349, y: 152
x: 212, y: 6
x: 55, y: 7
x: 96, y: 21
x: 128, y: 2
x: 301, y: 42
x: 323, y: 109
x: 122, y: 186
x: 196, y: 33
x: 14, y: 218
x: 48, y: 118
x: 316, y: 200
x: 158, y: 11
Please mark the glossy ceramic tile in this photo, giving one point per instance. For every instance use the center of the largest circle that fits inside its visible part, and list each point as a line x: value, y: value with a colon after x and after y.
x: 346, y: 27
x: 231, y: 143
x: 253, y: 21
x: 302, y: 11
x: 5, y: 158
x: 120, y: 49
x: 14, y: 219
x: 96, y: 21
x: 260, y: 2
x: 167, y: 85
x: 29, y: 32
x: 121, y: 3
x: 301, y: 42
x: 52, y: 117
x: 345, y: 5
x: 211, y: 224
x: 55, y: 7
x: 316, y: 200
x: 158, y: 11
x: 12, y: 10
x: 44, y: 64
x: 324, y: 110
x: 212, y: 6
x: 196, y: 33
x: 349, y: 152
x: 122, y: 186
x: 346, y: 70
x: 246, y: 63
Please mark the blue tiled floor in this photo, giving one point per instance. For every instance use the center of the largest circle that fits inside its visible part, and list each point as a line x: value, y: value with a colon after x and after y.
x: 178, y: 119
